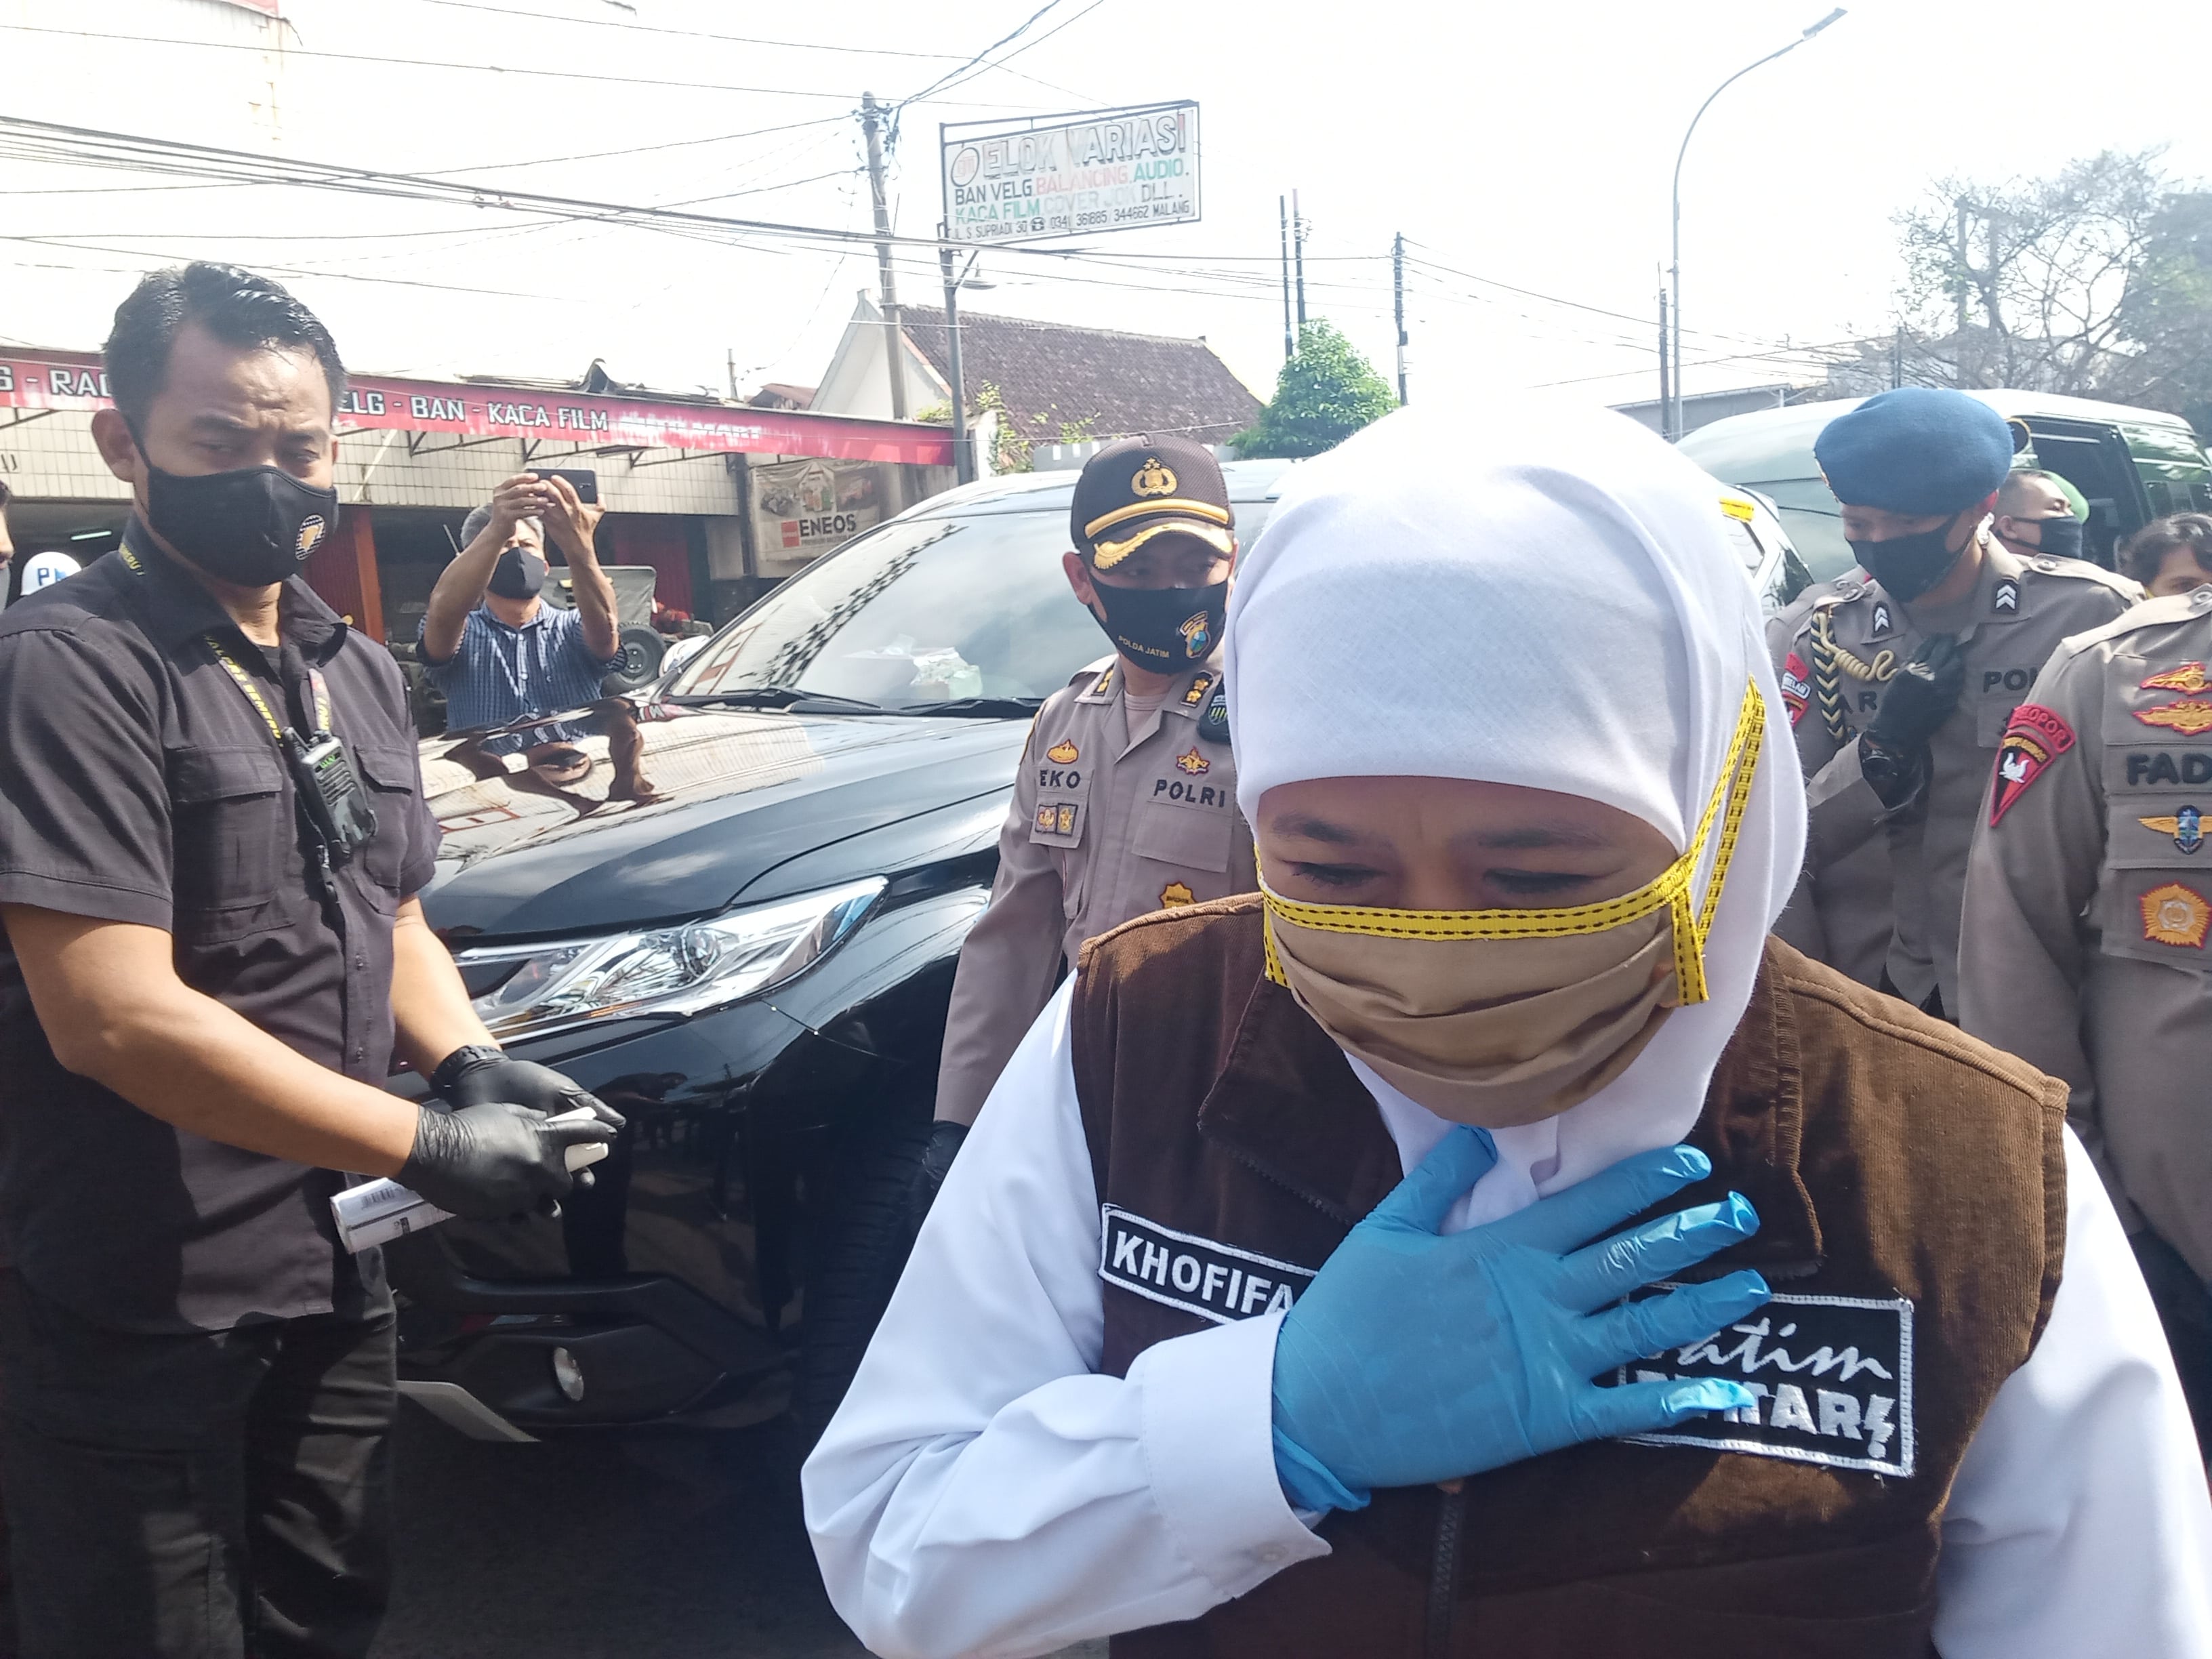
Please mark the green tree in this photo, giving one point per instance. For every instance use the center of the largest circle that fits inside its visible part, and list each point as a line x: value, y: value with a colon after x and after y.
x: 1324, y: 395
x: 2167, y: 309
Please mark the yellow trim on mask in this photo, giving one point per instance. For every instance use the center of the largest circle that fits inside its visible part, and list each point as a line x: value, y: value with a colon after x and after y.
x: 1731, y: 797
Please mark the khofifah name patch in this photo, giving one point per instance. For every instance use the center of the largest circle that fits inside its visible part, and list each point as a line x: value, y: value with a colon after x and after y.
x: 1213, y: 1280
x: 1831, y: 1377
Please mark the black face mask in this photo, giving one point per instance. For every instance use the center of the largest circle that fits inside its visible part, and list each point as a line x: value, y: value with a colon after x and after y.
x: 1908, y: 565
x: 519, y: 575
x: 2060, y: 537
x: 249, y: 527
x: 1166, y: 629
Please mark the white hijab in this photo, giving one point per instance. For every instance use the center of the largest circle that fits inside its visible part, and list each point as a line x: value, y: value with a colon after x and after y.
x: 1546, y: 601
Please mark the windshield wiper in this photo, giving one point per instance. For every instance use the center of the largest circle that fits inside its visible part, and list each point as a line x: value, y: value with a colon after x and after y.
x: 783, y: 696
x: 985, y: 708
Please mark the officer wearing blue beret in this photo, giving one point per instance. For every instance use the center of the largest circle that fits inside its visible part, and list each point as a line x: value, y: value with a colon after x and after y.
x: 1901, y: 677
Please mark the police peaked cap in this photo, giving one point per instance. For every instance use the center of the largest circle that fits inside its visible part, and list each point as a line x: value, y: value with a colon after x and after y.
x: 1919, y: 450
x: 1136, y: 489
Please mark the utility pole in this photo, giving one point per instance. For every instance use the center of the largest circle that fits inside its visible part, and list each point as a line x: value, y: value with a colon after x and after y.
x: 1398, y: 304
x: 1290, y: 340
x: 1666, y: 386
x: 1298, y: 255
x: 872, y: 123
x: 1964, y: 214
x: 734, y: 374
x: 963, y: 462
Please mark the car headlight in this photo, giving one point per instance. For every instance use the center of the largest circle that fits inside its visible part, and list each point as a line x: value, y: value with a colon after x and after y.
x: 528, y: 989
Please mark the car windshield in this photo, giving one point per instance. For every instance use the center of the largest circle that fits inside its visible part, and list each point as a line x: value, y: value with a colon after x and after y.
x: 921, y: 613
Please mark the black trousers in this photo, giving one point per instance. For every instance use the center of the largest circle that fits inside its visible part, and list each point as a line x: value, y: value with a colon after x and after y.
x: 209, y: 1495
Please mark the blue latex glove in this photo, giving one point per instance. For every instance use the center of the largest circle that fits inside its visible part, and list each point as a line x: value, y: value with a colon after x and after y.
x: 1414, y: 1358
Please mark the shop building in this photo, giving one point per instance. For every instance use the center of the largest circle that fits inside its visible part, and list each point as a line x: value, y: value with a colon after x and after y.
x: 722, y: 499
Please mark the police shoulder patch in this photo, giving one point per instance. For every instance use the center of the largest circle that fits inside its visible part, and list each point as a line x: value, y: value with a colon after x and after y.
x: 1201, y: 1276
x: 2034, y: 737
x: 1831, y: 1377
x: 1213, y: 724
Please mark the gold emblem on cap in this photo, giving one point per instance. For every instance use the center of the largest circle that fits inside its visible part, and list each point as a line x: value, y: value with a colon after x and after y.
x: 1153, y: 479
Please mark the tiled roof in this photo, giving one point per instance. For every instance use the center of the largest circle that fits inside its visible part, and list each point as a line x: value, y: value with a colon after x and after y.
x: 1101, y: 384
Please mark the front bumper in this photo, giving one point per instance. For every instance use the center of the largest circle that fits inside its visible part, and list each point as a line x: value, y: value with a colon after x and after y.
x: 671, y: 1287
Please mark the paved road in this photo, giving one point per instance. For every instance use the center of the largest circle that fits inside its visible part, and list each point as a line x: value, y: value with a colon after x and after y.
x: 640, y: 1546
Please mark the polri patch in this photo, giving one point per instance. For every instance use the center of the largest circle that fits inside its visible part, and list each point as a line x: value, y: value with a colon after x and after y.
x: 2034, y: 737
x: 1833, y: 1377
x: 1213, y: 1280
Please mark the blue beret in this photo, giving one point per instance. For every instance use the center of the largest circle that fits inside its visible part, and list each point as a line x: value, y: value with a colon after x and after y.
x: 1918, y: 450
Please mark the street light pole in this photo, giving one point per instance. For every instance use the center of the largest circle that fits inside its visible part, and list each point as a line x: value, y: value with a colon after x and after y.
x: 1673, y: 422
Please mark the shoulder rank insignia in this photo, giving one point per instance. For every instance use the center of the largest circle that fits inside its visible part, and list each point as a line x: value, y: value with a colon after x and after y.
x: 2005, y: 601
x: 2190, y: 716
x: 2176, y: 915
x: 2035, y: 737
x: 1104, y: 684
x: 1194, y: 763
x: 1175, y: 896
x: 1883, y: 624
x: 2185, y: 825
x: 1063, y: 753
x: 2190, y: 678
x: 1200, y: 685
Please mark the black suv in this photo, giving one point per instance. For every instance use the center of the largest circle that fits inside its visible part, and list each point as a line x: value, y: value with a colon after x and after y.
x: 731, y: 905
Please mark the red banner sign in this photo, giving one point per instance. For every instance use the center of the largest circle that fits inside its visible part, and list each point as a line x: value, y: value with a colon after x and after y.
x: 374, y: 404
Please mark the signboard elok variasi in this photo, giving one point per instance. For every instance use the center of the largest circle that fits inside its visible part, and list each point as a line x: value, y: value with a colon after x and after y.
x: 1071, y: 175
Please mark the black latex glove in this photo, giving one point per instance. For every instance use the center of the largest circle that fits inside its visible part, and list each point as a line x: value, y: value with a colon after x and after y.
x: 493, y: 1159
x: 945, y: 1138
x: 484, y: 1075
x: 1921, y: 697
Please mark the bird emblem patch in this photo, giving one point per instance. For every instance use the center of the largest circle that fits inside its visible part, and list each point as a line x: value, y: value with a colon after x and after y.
x: 2176, y: 915
x: 2034, y: 738
x: 2186, y: 826
x: 2190, y: 716
x: 2189, y: 678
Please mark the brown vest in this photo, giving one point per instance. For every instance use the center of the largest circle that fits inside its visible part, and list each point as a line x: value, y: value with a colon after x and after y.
x: 1911, y: 1186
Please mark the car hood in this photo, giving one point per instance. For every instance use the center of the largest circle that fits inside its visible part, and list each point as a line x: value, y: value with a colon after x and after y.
x: 628, y: 813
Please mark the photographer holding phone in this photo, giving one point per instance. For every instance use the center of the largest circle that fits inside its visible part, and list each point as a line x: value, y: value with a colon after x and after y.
x: 498, y: 651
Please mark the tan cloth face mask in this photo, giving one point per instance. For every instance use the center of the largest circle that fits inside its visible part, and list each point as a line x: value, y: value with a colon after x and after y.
x: 1500, y: 1018
x: 1492, y: 1032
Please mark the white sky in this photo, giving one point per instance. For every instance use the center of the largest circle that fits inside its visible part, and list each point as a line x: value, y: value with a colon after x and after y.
x: 1527, y: 144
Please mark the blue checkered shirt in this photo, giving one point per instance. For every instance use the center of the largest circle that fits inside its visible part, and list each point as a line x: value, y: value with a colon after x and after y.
x: 500, y: 674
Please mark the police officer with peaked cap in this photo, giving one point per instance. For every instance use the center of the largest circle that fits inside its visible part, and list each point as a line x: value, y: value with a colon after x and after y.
x: 1900, y: 677
x: 213, y: 949
x: 1127, y: 799
x: 2088, y: 925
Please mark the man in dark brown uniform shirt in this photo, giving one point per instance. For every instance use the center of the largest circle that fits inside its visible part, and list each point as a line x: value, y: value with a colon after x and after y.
x: 214, y: 838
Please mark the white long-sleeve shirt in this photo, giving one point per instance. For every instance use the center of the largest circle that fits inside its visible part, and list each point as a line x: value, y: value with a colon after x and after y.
x: 983, y: 1491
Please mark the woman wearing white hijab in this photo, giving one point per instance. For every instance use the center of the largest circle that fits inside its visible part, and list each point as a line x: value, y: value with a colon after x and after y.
x: 1171, y: 1349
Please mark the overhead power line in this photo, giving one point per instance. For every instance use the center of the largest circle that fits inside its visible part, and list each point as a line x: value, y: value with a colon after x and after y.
x: 629, y: 27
